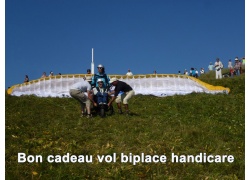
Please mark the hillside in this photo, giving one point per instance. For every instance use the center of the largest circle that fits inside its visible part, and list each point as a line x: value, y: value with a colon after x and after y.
x: 183, y: 125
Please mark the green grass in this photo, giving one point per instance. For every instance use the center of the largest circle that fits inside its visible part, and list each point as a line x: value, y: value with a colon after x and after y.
x: 189, y: 125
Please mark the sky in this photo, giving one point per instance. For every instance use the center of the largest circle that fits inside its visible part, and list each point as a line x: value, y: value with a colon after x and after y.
x: 142, y: 35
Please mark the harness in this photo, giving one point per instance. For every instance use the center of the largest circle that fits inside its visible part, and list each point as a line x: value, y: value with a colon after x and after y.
x: 98, y: 89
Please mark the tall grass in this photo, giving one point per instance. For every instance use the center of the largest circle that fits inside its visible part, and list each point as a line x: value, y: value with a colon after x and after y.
x: 188, y: 125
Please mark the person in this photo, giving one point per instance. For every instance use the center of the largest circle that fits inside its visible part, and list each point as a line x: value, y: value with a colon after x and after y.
x: 231, y: 71
x: 101, y: 93
x: 243, y: 61
x: 88, y: 71
x: 229, y: 64
x: 237, y: 66
x: 243, y: 64
x: 155, y: 72
x: 78, y: 91
x: 196, y: 73
x: 44, y: 75
x: 129, y: 73
x: 179, y: 72
x: 193, y: 72
x: 218, y: 66
x: 51, y: 74
x: 100, y: 75
x: 210, y: 66
x: 202, y: 71
x: 128, y: 93
x: 26, y: 79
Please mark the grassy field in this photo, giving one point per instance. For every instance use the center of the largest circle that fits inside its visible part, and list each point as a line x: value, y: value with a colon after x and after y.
x: 183, y: 125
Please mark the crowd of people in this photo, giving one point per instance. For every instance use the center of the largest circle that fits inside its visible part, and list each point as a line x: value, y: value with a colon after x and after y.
x: 236, y: 68
x: 100, y: 89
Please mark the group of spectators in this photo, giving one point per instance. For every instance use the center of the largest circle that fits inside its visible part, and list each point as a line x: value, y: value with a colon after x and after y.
x: 235, y: 68
x: 26, y: 78
x: 193, y: 72
x: 99, y: 89
x: 50, y: 74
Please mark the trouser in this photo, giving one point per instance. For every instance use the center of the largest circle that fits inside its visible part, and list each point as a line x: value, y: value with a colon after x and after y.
x: 218, y: 74
x: 237, y: 72
x: 125, y: 97
x: 81, y: 97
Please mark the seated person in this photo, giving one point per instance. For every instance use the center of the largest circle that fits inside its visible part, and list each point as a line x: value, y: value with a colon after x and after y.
x: 101, y: 93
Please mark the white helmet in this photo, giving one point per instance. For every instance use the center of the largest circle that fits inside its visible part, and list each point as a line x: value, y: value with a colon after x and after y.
x: 100, y: 66
x: 99, y: 80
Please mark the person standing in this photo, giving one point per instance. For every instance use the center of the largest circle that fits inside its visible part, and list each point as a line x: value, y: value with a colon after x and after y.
x: 100, y: 75
x: 26, y: 79
x: 129, y: 73
x: 218, y: 66
x: 210, y: 66
x: 81, y: 91
x: 230, y: 65
x: 202, y: 71
x: 44, y: 75
x: 88, y: 71
x: 51, y: 74
x: 128, y: 93
x: 237, y: 66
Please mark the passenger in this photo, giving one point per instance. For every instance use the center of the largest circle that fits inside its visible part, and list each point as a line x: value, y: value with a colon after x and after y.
x: 101, y: 93
x: 78, y: 91
x: 100, y: 75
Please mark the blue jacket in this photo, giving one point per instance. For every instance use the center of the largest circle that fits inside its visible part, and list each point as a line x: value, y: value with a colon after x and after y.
x: 104, y: 78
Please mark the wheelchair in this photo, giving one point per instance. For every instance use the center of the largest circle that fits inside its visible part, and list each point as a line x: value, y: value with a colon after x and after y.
x: 102, y: 108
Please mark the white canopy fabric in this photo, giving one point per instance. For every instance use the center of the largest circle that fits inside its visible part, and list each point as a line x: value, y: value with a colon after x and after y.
x: 160, y: 85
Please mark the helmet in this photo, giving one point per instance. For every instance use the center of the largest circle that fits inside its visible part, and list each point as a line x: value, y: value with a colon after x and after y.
x: 99, y: 80
x: 100, y: 66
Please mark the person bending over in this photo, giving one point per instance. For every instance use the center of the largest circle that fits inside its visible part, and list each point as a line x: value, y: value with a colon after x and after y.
x: 128, y: 93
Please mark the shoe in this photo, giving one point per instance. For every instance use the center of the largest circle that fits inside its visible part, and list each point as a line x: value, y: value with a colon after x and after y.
x: 89, y: 116
x: 128, y: 113
x: 119, y: 111
x: 100, y: 102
